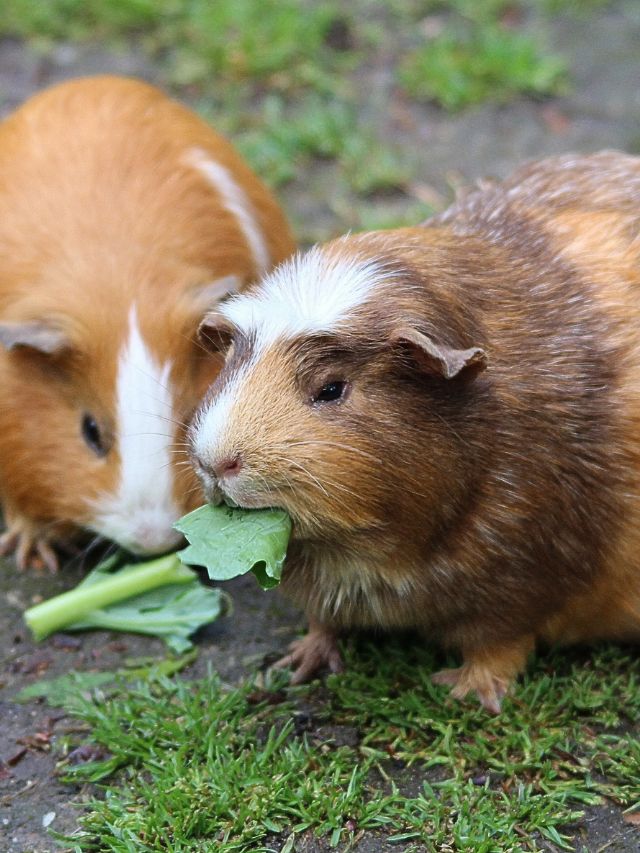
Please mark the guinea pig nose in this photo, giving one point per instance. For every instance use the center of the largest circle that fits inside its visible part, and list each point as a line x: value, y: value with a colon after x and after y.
x: 227, y: 467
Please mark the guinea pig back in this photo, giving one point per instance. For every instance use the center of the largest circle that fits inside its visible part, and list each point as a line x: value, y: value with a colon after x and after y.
x: 451, y: 415
x: 123, y: 220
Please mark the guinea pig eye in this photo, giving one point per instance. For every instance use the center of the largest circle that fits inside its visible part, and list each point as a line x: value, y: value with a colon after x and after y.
x: 92, y: 435
x: 331, y: 392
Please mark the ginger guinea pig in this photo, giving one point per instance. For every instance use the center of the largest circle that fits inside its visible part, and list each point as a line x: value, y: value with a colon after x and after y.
x: 451, y: 415
x: 123, y: 220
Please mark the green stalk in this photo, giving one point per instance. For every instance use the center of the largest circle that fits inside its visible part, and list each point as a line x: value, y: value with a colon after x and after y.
x: 72, y: 606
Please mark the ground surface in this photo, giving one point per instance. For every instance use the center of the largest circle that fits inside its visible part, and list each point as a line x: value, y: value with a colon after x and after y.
x: 602, y: 110
x: 29, y: 790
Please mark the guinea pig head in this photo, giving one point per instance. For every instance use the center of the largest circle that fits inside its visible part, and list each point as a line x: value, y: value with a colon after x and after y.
x: 347, y: 386
x: 94, y: 435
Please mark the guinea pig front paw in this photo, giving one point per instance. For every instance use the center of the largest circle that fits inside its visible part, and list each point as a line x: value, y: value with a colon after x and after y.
x: 315, y: 651
x: 32, y: 549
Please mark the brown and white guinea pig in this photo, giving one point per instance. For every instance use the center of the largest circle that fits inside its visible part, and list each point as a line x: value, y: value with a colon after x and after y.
x: 123, y: 220
x: 451, y: 415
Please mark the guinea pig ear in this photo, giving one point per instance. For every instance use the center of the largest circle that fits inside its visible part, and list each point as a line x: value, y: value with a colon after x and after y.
x: 439, y: 359
x: 215, y: 332
x: 36, y: 336
x: 207, y: 296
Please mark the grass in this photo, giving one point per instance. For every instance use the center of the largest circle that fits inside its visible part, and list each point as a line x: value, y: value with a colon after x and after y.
x: 378, y: 751
x: 286, y: 78
x: 281, y: 141
x: 480, y: 64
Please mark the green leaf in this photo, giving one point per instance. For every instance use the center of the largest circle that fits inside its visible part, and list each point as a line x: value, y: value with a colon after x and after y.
x: 65, y: 690
x: 160, y: 597
x: 172, y: 612
x: 62, y: 690
x: 230, y: 541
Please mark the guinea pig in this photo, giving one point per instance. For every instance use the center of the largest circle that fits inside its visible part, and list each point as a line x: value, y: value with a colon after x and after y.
x: 451, y: 416
x: 123, y: 220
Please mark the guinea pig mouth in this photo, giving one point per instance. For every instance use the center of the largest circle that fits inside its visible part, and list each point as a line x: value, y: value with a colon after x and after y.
x: 213, y: 493
x: 235, y: 496
x: 248, y: 502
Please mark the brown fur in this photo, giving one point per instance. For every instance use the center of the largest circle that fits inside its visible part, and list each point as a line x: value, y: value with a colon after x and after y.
x: 99, y: 208
x: 492, y: 509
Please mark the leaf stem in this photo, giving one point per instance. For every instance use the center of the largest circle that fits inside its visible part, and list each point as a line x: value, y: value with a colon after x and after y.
x: 74, y: 605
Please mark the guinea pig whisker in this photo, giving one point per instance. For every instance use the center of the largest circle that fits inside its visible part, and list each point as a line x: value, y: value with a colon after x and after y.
x: 194, y: 340
x: 172, y: 453
x: 266, y: 489
x: 363, y: 453
x: 140, y: 434
x: 155, y: 379
x: 319, y: 443
x: 342, y: 488
x: 309, y: 475
x: 174, y: 421
x: 264, y: 480
x: 335, y: 485
x: 289, y: 483
x: 155, y: 416
x: 331, y: 483
x: 84, y: 554
x: 317, y: 481
x: 351, y: 449
x: 182, y: 463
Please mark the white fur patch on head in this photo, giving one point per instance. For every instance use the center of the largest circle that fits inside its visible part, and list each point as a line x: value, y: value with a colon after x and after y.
x: 140, y: 514
x: 208, y: 425
x: 315, y: 292
x: 236, y: 202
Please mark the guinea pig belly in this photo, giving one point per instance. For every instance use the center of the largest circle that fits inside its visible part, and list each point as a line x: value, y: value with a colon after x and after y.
x: 349, y: 592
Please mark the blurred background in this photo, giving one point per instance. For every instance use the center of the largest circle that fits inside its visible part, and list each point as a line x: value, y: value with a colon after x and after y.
x: 362, y: 114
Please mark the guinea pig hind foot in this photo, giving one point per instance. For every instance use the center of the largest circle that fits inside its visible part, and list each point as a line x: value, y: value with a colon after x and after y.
x: 316, y: 650
x: 32, y: 549
x: 489, y: 689
x: 487, y: 674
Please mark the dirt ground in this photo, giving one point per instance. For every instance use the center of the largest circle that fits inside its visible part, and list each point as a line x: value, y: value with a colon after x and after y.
x: 602, y: 111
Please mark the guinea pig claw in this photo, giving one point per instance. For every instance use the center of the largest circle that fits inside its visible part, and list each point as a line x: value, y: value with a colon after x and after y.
x: 8, y: 542
x: 48, y: 556
x: 318, y: 649
x: 489, y: 688
x: 36, y: 554
x: 31, y: 551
